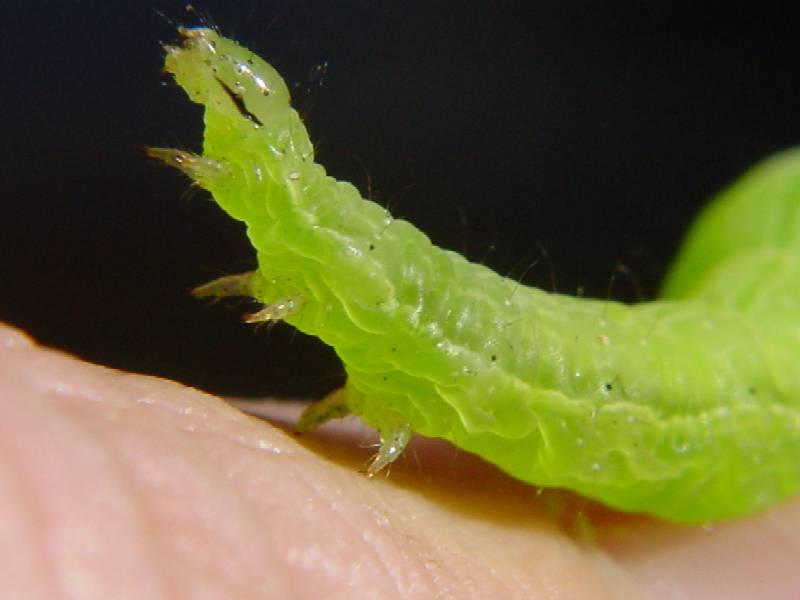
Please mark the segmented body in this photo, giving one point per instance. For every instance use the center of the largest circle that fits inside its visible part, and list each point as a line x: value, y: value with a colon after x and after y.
x: 687, y: 408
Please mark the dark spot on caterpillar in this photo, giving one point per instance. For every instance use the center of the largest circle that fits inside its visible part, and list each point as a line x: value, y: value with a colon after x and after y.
x: 494, y: 357
x: 372, y: 246
x: 608, y: 386
x: 384, y: 378
x: 238, y: 102
x: 394, y: 349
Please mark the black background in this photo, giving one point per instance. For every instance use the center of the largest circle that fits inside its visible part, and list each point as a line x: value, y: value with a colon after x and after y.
x: 593, y: 130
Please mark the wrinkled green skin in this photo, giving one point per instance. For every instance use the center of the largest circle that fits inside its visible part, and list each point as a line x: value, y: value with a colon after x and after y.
x: 687, y: 408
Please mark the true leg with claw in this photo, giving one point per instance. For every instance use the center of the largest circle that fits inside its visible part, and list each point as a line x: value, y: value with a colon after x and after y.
x: 332, y: 406
x: 394, y: 439
x: 241, y: 284
x: 203, y: 171
x: 395, y: 432
x: 251, y: 284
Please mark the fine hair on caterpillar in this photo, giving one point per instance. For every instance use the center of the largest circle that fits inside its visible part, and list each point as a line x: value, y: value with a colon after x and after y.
x: 686, y: 407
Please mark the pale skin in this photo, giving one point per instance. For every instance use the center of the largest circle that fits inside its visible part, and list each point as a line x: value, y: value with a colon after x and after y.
x: 115, y: 485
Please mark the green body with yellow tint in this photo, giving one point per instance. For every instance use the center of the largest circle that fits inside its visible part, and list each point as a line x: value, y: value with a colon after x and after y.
x: 687, y: 408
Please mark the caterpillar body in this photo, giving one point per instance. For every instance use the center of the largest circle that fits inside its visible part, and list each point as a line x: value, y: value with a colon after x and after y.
x: 687, y: 408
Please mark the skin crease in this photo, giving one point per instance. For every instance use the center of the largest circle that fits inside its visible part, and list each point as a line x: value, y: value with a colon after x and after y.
x: 116, y: 485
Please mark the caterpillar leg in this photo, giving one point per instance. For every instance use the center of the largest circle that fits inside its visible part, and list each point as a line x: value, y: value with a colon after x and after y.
x: 241, y: 284
x: 332, y: 406
x: 394, y: 439
x: 395, y: 432
x: 203, y: 171
x: 276, y: 311
x: 250, y: 284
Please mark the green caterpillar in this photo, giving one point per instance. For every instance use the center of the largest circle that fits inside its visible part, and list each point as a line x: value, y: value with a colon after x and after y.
x: 687, y: 408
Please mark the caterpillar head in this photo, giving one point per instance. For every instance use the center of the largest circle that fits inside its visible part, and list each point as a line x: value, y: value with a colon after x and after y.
x: 226, y: 77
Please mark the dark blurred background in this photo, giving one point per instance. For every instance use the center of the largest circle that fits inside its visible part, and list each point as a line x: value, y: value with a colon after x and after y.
x: 592, y: 130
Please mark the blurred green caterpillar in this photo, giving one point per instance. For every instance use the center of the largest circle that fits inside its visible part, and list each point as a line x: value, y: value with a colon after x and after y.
x: 687, y: 407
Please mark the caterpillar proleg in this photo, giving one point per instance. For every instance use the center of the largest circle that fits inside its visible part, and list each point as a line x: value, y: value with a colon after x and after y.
x: 687, y: 407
